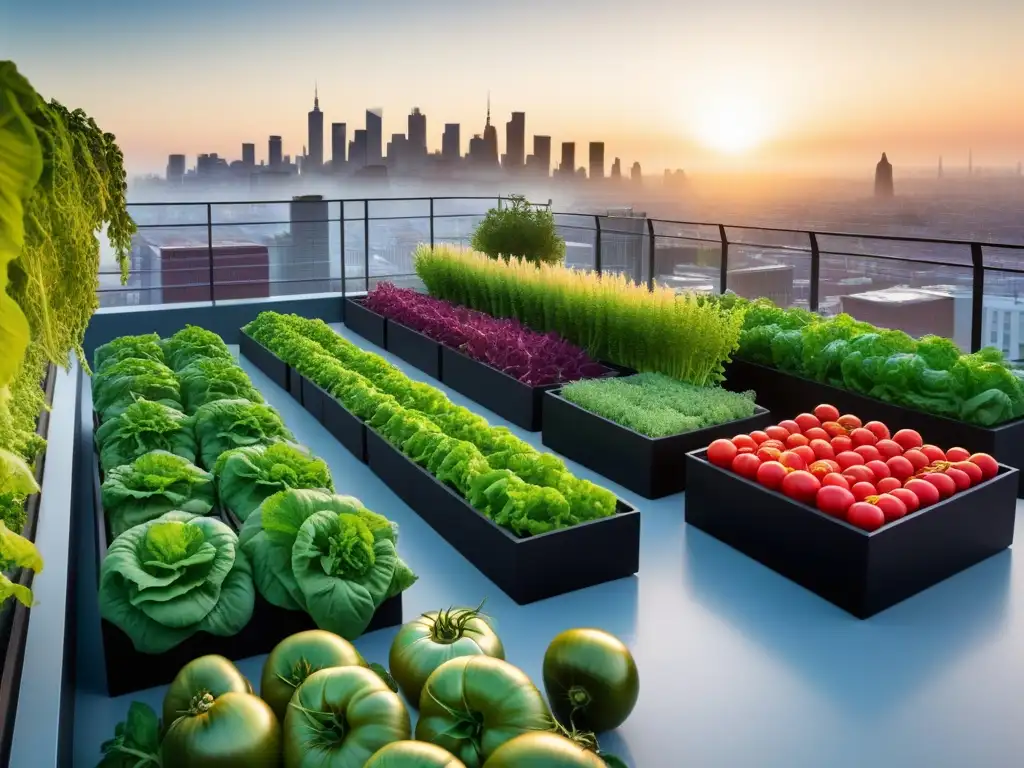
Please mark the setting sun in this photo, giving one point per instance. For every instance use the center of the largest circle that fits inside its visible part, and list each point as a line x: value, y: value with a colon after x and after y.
x: 731, y: 126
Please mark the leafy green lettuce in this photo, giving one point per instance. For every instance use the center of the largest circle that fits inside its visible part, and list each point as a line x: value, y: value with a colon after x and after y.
x: 326, y: 555
x: 226, y: 424
x: 121, y: 384
x: 141, y: 428
x: 215, y: 378
x: 154, y: 484
x: 247, y: 476
x: 166, y: 579
x: 193, y: 343
x: 143, y: 347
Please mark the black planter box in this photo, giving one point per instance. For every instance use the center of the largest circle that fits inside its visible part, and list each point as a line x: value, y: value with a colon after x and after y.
x: 415, y: 348
x: 784, y: 393
x: 266, y: 361
x: 863, y: 573
x: 312, y: 396
x: 347, y: 429
x: 527, y: 569
x: 651, y: 466
x: 365, y: 322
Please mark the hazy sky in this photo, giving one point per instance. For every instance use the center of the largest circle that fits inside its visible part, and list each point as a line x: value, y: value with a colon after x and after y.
x: 723, y: 84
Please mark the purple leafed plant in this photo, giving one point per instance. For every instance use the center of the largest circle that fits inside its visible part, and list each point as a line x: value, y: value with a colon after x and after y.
x: 534, y: 358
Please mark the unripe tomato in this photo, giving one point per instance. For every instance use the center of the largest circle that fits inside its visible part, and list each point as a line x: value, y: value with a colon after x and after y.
x: 834, y: 500
x: 849, y: 421
x: 770, y: 474
x: 868, y: 452
x: 933, y: 452
x: 927, y: 494
x: 834, y: 428
x: 807, y: 421
x: 859, y: 473
x: 900, y: 467
x: 826, y: 412
x: 879, y: 429
x: 961, y: 478
x: 888, y: 448
x: 892, y: 507
x: 917, y: 458
x: 862, y: 490
x: 879, y: 468
x: 721, y: 453
x: 866, y: 516
x: 796, y: 440
x: 768, y: 454
x: 888, y: 484
x: 745, y: 441
x: 819, y: 469
x: 957, y: 454
x: 945, y: 483
x: 908, y: 497
x: 801, y: 485
x: 971, y: 469
x: 746, y: 464
x: 816, y: 433
x: 822, y: 449
x: 790, y: 426
x: 861, y: 436
x: 792, y: 460
x: 833, y: 478
x: 989, y: 466
x: 842, y: 443
x: 759, y: 436
x: 777, y: 433
x: 848, y: 459
x: 908, y: 438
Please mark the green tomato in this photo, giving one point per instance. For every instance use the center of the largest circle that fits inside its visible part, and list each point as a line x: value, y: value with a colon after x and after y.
x: 297, y: 657
x: 423, y: 645
x: 413, y: 754
x: 473, y: 704
x: 234, y: 730
x: 208, y: 674
x: 543, y: 750
x: 339, y: 717
x: 591, y: 680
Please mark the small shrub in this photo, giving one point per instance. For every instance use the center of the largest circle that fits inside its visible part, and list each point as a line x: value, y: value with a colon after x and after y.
x: 519, y: 230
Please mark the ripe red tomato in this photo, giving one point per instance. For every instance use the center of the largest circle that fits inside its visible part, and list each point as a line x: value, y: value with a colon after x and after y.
x: 892, y: 507
x: 745, y: 441
x: 862, y: 491
x: 796, y: 440
x: 859, y: 473
x: 834, y: 428
x: 819, y: 469
x: 900, y: 467
x: 989, y: 466
x: 945, y: 483
x: 768, y: 454
x: 834, y: 500
x: 806, y: 453
x: 879, y: 429
x: 834, y: 464
x: 917, y: 458
x: 721, y: 453
x: 933, y: 452
x: 745, y: 449
x: 868, y: 453
x: 888, y: 448
x: 849, y: 421
x: 816, y: 433
x: 961, y: 478
x: 777, y: 433
x: 778, y: 445
x: 908, y: 438
x: 826, y: 412
x: 879, y: 468
x: 842, y: 443
x: 836, y: 479
x: 800, y: 485
x: 861, y: 436
x: 759, y: 436
x: 908, y: 497
x: 770, y: 474
x: 822, y: 449
x: 866, y: 516
x: 790, y: 426
x: 746, y: 464
x: 793, y: 460
x: 848, y: 459
x: 888, y: 484
x: 971, y: 469
x: 927, y: 494
x: 957, y: 454
x: 807, y: 421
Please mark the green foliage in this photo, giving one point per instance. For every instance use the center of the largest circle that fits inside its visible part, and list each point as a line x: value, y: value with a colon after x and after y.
x: 141, y: 428
x: 215, y: 378
x: 247, y: 476
x: 519, y: 230
x: 120, y: 384
x: 166, y: 579
x: 222, y: 425
x: 144, y: 347
x: 193, y: 343
x: 658, y: 406
x: 16, y: 552
x: 136, y: 742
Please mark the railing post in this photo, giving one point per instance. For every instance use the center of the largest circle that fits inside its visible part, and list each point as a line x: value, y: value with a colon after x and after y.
x: 341, y: 217
x: 431, y: 223
x: 815, y: 272
x: 723, y: 275
x: 366, y: 244
x: 597, y: 244
x: 650, y: 255
x: 209, y: 247
x: 978, y: 297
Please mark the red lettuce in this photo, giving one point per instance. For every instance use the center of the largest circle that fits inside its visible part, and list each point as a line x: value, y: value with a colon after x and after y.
x: 536, y: 359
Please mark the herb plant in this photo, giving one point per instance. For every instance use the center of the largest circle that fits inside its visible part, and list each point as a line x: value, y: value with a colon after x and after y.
x: 519, y: 230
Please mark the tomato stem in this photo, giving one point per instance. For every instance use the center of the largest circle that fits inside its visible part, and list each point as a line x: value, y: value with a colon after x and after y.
x: 452, y: 624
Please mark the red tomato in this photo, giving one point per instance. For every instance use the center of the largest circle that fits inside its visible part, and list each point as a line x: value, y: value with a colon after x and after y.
x: 834, y: 428
x: 945, y: 483
x: 908, y: 438
x: 989, y: 466
x: 879, y: 429
x: 918, y: 459
x: 908, y: 497
x: 746, y: 464
x: 806, y: 453
x: 807, y: 421
x: 790, y: 426
x: 721, y: 453
x: 834, y: 464
x: 892, y: 507
x: 770, y: 474
x: 800, y: 485
x: 777, y: 433
x: 826, y: 412
x: 745, y: 449
x: 768, y: 454
x: 866, y: 516
x: 861, y: 436
x: 933, y: 452
x: 759, y: 436
x: 836, y: 479
x: 868, y: 453
x: 862, y: 491
x: 778, y: 445
x: 849, y: 421
x: 842, y: 443
x: 834, y: 500
x: 848, y: 459
x: 961, y: 478
x: 971, y: 469
x: 888, y: 448
x: 817, y: 433
x: 792, y: 460
x: 745, y: 441
x: 900, y: 467
x: 879, y: 468
x: 819, y: 469
x: 926, y: 493
x: 888, y: 484
x: 859, y: 473
x: 822, y: 449
x: 795, y: 440
x: 957, y: 454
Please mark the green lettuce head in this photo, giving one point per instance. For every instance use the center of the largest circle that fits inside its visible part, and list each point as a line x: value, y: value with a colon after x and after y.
x: 164, y: 580
x: 327, y: 555
x: 247, y: 476
x: 121, y: 384
x: 193, y: 343
x: 145, y: 427
x: 215, y: 378
x: 144, y: 347
x: 152, y: 485
x: 227, y: 424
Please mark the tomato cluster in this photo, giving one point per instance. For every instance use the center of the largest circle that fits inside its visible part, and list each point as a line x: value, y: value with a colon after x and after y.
x: 857, y: 472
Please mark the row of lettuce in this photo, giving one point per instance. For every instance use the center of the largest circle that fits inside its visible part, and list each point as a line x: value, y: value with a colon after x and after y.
x: 183, y: 434
x: 501, y: 476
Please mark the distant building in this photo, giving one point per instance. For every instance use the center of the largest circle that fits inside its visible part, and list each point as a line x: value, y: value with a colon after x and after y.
x: 540, y: 160
x: 568, y: 165
x: 483, y: 152
x: 596, y: 160
x: 175, y: 168
x: 417, y: 142
x: 515, y: 141
x: 274, y: 152
x: 315, y: 157
x: 249, y: 155
x: 338, y: 141
x: 676, y: 178
x: 210, y: 164
x: 398, y: 151
x: 883, y: 178
x: 374, y: 137
x: 308, y: 265
x: 357, y: 149
x: 450, y: 143
x: 635, y: 174
x: 617, y: 169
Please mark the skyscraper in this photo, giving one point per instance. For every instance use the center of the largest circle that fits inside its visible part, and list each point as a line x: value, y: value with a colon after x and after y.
x: 568, y: 165
x: 490, y: 145
x: 315, y: 156
x: 374, y: 137
x: 338, y: 131
x: 175, y: 167
x: 274, y: 152
x: 417, y: 143
x: 357, y: 150
x: 515, y: 141
x: 635, y: 174
x: 617, y: 169
x: 596, y: 160
x: 397, y: 151
x: 542, y: 154
x: 249, y: 155
x: 451, y: 145
x: 883, y: 178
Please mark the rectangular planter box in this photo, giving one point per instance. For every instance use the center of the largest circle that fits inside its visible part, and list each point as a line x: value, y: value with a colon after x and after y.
x: 863, y: 573
x: 312, y: 396
x: 347, y: 429
x: 366, y: 323
x: 266, y: 361
x: 784, y: 393
x: 528, y: 569
x: 295, y: 385
x: 652, y: 467
x: 415, y: 348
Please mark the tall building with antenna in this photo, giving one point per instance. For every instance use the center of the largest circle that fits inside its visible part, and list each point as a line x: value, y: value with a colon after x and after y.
x: 315, y: 157
x: 483, y: 150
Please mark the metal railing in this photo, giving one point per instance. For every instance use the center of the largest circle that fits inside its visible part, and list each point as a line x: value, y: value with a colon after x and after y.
x: 968, y: 290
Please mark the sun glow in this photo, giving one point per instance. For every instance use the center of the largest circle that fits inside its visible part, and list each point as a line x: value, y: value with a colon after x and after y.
x: 731, y: 126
